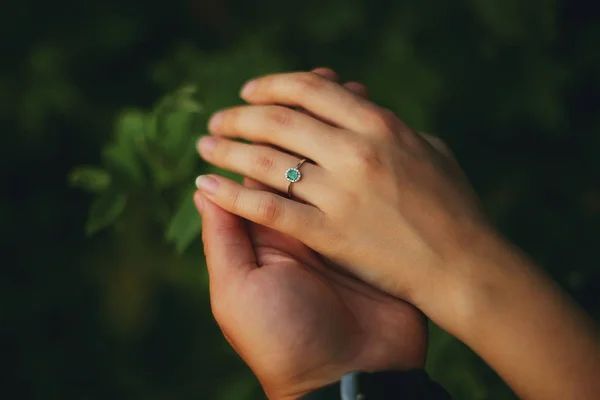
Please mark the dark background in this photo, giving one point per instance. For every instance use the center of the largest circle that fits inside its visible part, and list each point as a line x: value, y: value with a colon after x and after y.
x: 513, y: 86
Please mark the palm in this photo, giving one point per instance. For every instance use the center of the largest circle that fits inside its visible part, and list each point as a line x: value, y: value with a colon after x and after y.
x: 316, y: 318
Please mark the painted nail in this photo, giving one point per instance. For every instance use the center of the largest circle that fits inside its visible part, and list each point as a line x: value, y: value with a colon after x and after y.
x: 215, y: 121
x: 207, y: 184
x: 206, y: 144
x: 248, y: 88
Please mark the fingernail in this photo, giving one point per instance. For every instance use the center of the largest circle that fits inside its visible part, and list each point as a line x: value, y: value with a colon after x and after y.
x: 206, y: 144
x: 207, y: 184
x: 215, y: 121
x: 248, y: 88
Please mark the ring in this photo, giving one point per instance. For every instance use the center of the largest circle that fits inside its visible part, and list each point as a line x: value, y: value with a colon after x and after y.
x: 293, y: 175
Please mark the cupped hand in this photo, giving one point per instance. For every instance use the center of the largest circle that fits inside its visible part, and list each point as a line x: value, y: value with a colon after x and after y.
x: 388, y: 204
x: 297, y: 322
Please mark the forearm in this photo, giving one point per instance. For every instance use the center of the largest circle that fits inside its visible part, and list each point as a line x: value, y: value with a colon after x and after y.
x: 523, y: 325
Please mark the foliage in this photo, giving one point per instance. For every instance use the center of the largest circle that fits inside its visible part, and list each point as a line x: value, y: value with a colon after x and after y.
x: 151, y: 153
x: 513, y: 86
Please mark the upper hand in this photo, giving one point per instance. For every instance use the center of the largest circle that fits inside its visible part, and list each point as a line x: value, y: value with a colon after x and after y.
x: 388, y: 204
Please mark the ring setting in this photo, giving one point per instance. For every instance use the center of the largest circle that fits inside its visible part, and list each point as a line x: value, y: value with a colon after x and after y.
x: 293, y: 175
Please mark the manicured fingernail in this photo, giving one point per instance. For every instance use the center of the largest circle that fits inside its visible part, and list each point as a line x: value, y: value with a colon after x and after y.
x: 206, y: 144
x: 207, y: 184
x: 248, y: 88
x: 215, y: 121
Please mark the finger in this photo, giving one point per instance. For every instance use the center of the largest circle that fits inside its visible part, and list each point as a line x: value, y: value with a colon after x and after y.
x: 327, y: 73
x: 328, y: 100
x: 228, y: 249
x: 264, y: 236
x: 256, y: 185
x: 287, y: 216
x: 357, y: 88
x: 266, y: 165
x: 283, y: 127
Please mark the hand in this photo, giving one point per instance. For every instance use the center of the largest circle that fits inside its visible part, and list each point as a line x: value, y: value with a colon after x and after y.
x: 297, y: 322
x: 372, y: 174
x: 369, y: 330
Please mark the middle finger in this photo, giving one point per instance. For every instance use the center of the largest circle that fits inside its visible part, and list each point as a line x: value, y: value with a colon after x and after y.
x: 283, y: 127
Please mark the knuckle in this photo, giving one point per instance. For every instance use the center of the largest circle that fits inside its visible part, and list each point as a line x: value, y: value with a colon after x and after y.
x: 367, y: 157
x: 270, y: 211
x: 382, y: 121
x: 279, y: 116
x: 264, y: 163
x: 234, y: 200
x: 308, y: 82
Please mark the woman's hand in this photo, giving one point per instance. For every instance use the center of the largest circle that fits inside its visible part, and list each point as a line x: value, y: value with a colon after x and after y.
x: 297, y: 322
x: 380, y: 199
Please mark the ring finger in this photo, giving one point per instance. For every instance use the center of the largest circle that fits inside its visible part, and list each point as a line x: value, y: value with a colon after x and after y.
x: 268, y: 166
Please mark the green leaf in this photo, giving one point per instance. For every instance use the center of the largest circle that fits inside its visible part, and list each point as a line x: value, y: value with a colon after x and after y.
x: 189, y: 105
x: 183, y: 100
x: 104, y: 211
x: 92, y: 179
x: 175, y: 120
x: 169, y: 134
x: 124, y: 164
x: 185, y: 225
x: 130, y: 128
x: 187, y: 89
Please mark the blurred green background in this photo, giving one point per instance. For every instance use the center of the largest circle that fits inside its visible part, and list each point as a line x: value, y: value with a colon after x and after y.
x: 513, y: 86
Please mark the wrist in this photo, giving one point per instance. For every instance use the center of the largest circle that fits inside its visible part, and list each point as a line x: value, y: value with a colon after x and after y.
x: 475, y: 284
x: 509, y: 312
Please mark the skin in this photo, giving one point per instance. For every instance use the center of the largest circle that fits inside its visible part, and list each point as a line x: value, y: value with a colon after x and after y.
x: 297, y: 320
x: 394, y: 209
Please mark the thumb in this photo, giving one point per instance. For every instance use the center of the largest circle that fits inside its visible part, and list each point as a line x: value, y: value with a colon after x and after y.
x: 227, y: 247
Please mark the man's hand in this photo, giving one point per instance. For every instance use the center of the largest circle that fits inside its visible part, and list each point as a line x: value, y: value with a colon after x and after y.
x: 298, y: 322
